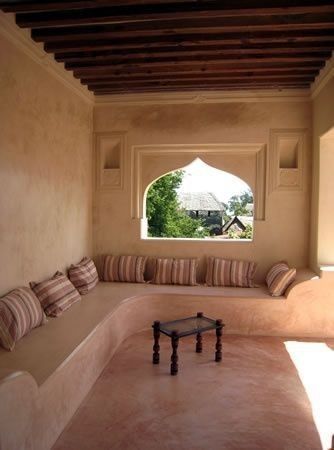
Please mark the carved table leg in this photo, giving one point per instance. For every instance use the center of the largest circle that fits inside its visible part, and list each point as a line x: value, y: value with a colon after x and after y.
x: 174, y: 358
x: 156, y: 346
x: 219, y: 333
x: 199, y: 343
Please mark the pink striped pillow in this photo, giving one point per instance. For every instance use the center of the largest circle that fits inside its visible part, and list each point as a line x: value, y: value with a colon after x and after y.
x: 56, y: 295
x: 225, y: 272
x: 20, y: 312
x: 83, y: 275
x: 124, y: 268
x: 163, y: 271
x: 279, y: 278
x: 184, y: 272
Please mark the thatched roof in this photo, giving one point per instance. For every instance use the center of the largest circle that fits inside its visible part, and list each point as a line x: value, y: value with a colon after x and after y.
x: 240, y: 221
x: 199, y: 201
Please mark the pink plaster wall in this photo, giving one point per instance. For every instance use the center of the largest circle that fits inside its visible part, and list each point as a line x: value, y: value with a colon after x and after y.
x: 45, y: 171
x: 284, y: 234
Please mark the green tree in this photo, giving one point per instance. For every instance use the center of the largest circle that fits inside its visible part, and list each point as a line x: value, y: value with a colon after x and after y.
x: 236, y: 206
x: 246, y: 234
x: 165, y: 217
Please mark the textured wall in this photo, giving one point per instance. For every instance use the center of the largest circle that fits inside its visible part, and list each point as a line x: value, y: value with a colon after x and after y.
x: 285, y: 232
x: 45, y: 171
x: 322, y: 241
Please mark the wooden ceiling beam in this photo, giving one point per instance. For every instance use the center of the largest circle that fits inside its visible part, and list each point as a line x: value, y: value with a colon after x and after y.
x: 216, y: 77
x: 196, y: 60
x: 240, y: 39
x: 17, y: 6
x: 193, y: 82
x: 275, y: 48
x: 193, y: 71
x: 208, y: 26
x: 155, y: 12
x: 194, y: 63
x: 226, y: 87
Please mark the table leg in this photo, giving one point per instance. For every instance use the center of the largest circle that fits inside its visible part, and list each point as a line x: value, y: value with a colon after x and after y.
x: 174, y: 358
x: 156, y: 346
x: 199, y: 343
x: 219, y: 333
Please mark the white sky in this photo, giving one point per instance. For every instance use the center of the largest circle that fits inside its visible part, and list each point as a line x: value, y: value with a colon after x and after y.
x: 200, y: 177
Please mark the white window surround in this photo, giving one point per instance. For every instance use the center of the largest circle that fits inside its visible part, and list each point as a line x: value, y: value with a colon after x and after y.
x: 141, y: 181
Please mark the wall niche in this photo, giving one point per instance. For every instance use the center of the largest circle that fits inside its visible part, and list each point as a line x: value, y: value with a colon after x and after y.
x: 109, y: 154
x: 287, y: 148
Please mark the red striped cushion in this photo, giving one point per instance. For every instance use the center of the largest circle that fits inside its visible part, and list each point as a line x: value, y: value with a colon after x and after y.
x: 20, y: 312
x: 225, y: 272
x: 83, y: 275
x: 163, y: 271
x: 184, y: 272
x: 279, y: 277
x: 124, y: 268
x: 56, y: 295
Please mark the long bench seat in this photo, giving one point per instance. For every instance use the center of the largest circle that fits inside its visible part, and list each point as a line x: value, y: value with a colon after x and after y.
x: 43, y: 381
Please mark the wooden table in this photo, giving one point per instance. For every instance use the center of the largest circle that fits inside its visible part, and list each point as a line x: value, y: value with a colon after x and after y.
x: 185, y: 327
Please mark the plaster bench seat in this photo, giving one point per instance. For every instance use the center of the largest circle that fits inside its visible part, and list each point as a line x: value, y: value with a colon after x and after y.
x: 46, y: 377
x: 46, y: 348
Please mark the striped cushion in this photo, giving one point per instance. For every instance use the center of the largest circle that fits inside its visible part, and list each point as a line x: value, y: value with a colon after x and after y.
x: 56, y: 295
x: 163, y: 271
x: 20, y: 312
x: 83, y: 275
x: 124, y: 268
x: 225, y: 272
x: 184, y: 272
x: 279, y: 277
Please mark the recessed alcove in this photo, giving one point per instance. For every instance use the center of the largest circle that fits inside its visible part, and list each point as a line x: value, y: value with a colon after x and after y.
x: 109, y: 149
x: 288, y: 153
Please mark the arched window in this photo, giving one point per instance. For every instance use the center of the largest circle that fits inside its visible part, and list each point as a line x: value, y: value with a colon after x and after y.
x: 200, y: 202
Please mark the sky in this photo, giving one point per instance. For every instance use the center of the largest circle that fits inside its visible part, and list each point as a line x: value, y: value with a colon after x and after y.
x: 200, y: 177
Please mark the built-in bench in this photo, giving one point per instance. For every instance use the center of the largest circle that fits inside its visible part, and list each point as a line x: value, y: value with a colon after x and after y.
x: 43, y: 381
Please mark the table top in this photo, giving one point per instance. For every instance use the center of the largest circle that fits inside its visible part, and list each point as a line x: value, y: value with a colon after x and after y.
x: 189, y: 325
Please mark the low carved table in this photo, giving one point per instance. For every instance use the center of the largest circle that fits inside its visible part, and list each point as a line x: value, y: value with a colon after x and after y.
x: 186, y: 327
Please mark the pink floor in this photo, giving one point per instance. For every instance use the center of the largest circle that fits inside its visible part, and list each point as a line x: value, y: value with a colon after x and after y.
x: 254, y: 399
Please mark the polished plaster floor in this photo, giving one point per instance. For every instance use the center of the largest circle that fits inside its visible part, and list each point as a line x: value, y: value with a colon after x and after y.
x: 268, y: 393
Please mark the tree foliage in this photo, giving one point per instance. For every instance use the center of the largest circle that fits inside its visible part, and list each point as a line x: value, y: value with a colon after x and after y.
x: 165, y: 217
x: 236, y: 206
x: 246, y: 234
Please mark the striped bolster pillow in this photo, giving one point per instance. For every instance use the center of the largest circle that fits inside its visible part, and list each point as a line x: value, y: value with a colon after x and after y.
x: 184, y: 272
x: 224, y: 272
x: 83, y: 275
x: 20, y: 312
x: 56, y: 295
x: 279, y: 278
x: 124, y: 268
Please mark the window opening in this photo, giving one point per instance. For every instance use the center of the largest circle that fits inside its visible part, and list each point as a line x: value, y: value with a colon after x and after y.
x: 200, y: 202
